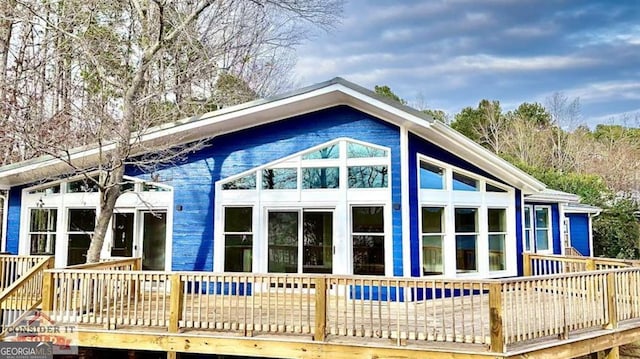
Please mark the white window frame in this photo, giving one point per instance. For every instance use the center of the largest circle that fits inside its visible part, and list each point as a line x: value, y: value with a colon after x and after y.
x: 338, y: 200
x: 549, y: 228
x: 532, y: 235
x: 138, y: 200
x: 480, y: 199
x: 47, y: 233
x: 443, y: 236
x: 505, y: 233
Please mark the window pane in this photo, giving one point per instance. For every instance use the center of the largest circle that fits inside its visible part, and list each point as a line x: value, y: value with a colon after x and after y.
x: 496, y: 252
x: 527, y: 239
x: 43, y: 243
x: 280, y: 178
x: 466, y: 220
x: 238, y: 252
x: 317, y: 248
x: 432, y: 219
x: 246, y: 182
x: 368, y: 177
x: 326, y: 177
x: 82, y: 220
x: 466, y: 253
x: 497, y: 220
x: 431, y: 255
x: 43, y: 220
x: 127, y: 187
x: 542, y: 217
x: 238, y: 219
x: 47, y: 190
x: 148, y: 187
x: 527, y: 217
x: 283, y: 242
x: 492, y: 188
x: 431, y: 177
x: 542, y: 240
x: 368, y: 255
x: 83, y: 185
x: 356, y: 150
x: 367, y: 220
x: 328, y: 152
x: 464, y: 183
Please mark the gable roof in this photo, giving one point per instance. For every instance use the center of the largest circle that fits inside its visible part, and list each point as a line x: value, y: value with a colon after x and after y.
x: 309, y: 99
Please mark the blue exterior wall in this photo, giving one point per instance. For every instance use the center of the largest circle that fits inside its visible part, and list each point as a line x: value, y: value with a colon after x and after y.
x: 13, y: 219
x: 579, y: 232
x: 555, y: 222
x: 417, y: 145
x: 227, y: 155
x: 519, y: 230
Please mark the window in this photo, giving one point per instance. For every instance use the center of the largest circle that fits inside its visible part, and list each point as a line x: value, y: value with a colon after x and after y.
x: 464, y: 183
x: 367, y: 177
x: 42, y: 231
x: 238, y: 239
x: 497, y: 218
x: 432, y: 238
x: 47, y: 190
x: 245, y: 182
x: 368, y: 240
x: 83, y: 185
x: 492, y: 188
x: 318, y: 178
x: 431, y: 176
x: 149, y: 187
x: 282, y: 236
x: 280, y: 178
x: 329, y: 152
x: 528, y: 235
x: 543, y: 228
x: 466, y: 227
x: 80, y: 230
x: 356, y: 150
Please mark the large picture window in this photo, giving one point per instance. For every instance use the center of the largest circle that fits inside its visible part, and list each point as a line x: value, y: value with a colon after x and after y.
x: 238, y: 239
x: 42, y: 231
x: 368, y: 240
x: 432, y: 240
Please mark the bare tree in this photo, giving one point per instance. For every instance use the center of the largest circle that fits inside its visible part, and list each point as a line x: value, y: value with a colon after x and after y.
x: 90, y: 72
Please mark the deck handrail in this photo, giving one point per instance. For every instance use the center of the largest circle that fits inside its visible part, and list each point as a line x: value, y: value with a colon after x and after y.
x: 25, y: 294
x: 545, y: 264
x: 134, y: 263
x: 496, y: 313
x: 14, y: 266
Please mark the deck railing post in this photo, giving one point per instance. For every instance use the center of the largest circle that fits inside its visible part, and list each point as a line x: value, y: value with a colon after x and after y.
x: 591, y: 265
x: 526, y: 264
x: 321, y: 309
x: 47, y: 291
x: 612, y: 301
x: 175, y: 306
x: 495, y: 318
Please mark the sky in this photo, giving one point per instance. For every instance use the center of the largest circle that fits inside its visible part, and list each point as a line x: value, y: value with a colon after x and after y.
x: 450, y: 54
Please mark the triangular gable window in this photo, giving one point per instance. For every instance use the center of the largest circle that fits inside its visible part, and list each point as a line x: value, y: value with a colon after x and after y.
x: 357, y: 150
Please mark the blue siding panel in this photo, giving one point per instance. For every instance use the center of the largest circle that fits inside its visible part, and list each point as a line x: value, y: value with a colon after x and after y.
x: 230, y: 154
x: 519, y: 231
x: 579, y: 231
x: 555, y: 230
x: 13, y: 219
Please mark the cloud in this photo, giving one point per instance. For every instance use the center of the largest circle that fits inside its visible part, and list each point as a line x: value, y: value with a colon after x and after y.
x: 456, y: 52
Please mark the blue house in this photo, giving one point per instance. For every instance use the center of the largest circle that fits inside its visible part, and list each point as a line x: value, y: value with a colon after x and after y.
x: 328, y: 179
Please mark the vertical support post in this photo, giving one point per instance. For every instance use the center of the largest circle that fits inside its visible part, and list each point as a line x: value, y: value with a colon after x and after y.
x: 591, y: 265
x: 495, y: 318
x: 612, y: 301
x: 175, y: 306
x: 321, y: 309
x: 47, y: 291
x: 526, y: 264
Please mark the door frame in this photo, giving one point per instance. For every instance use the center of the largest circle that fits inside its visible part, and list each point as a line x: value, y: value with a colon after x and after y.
x: 139, y: 229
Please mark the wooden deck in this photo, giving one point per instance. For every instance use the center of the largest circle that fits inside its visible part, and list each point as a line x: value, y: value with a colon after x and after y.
x: 573, y: 312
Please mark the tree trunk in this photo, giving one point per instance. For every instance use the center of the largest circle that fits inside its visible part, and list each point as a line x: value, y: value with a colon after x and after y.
x: 108, y: 198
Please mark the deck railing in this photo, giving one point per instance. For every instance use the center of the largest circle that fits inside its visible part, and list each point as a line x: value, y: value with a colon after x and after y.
x: 497, y: 313
x: 545, y: 264
x: 13, y: 267
x: 25, y: 293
